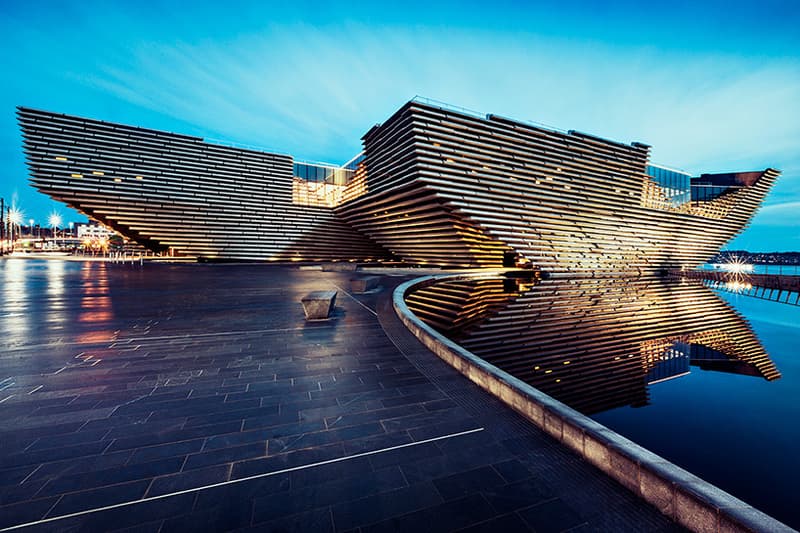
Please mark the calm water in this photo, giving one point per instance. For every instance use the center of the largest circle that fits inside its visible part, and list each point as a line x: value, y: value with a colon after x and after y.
x: 709, y: 381
x: 740, y: 433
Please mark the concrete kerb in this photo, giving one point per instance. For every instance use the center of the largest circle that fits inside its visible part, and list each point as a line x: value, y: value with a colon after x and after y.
x: 687, y: 499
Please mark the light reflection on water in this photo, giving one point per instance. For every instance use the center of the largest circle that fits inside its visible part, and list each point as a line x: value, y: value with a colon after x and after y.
x: 14, y: 313
x: 35, y: 302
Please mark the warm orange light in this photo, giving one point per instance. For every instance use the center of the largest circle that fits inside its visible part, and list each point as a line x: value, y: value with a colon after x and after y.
x: 76, y: 175
x: 61, y: 158
x: 98, y: 173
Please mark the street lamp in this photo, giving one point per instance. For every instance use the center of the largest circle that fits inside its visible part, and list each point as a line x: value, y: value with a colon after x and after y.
x: 55, y: 221
x: 14, y: 218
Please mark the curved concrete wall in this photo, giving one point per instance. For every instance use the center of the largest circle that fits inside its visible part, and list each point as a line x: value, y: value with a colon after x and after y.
x: 687, y: 499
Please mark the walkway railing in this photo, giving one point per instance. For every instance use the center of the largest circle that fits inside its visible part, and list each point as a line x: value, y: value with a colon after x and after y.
x: 782, y: 288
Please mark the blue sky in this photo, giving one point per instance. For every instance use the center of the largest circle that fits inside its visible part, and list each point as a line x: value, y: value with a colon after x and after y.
x: 712, y: 86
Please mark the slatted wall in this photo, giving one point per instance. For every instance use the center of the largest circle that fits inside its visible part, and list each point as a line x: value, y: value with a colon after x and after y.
x: 166, y: 190
x: 451, y: 188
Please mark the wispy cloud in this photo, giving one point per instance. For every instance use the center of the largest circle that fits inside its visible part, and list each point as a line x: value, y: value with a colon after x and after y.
x: 318, y: 89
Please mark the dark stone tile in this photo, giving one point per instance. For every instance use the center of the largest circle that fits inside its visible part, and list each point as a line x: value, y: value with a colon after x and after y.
x: 162, y: 451
x: 101, y: 497
x: 14, y: 476
x: 80, y: 465
x: 27, y: 511
x: 18, y: 493
x: 72, y: 407
x: 316, y: 520
x: 270, y: 420
x: 517, y: 495
x: 144, y: 427
x: 73, y: 482
x: 373, y: 416
x: 287, y: 460
x: 174, y: 436
x: 381, y: 506
x: 326, y: 494
x: 114, y: 422
x: 376, y: 442
x: 438, y: 405
x: 231, y: 515
x: 447, y: 516
x: 402, y: 456
x: 229, y: 415
x: 325, y: 473
x: 551, y: 516
x: 512, y: 470
x: 471, y: 481
x: 149, y: 527
x: 307, y: 440
x: 242, y: 490
x: 69, y: 439
x: 129, y: 516
x: 226, y: 455
x: 178, y: 407
x: 510, y: 523
x: 41, y: 456
x: 189, y: 480
x: 321, y: 413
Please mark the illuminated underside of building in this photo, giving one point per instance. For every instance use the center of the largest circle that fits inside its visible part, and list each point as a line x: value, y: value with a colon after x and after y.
x: 434, y: 185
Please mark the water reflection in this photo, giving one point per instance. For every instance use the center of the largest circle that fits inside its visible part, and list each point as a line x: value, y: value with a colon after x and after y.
x: 14, y: 318
x: 95, y: 304
x: 44, y: 301
x: 595, y: 344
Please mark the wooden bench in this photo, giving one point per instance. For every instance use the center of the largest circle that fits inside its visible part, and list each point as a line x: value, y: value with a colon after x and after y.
x: 364, y: 284
x: 318, y: 304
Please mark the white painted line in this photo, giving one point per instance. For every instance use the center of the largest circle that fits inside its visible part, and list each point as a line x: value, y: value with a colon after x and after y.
x: 6, y: 398
x: 59, y: 370
x: 240, y: 480
x: 355, y: 299
x: 37, y: 388
x: 6, y: 383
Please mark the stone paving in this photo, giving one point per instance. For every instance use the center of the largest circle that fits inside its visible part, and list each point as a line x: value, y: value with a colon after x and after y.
x: 196, y: 397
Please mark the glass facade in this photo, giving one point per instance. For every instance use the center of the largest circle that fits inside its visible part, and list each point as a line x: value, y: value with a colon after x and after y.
x: 323, y: 185
x: 702, y: 192
x: 677, y: 186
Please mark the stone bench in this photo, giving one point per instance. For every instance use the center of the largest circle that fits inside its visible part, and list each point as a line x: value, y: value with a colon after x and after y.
x: 318, y: 304
x: 364, y: 284
x: 344, y: 266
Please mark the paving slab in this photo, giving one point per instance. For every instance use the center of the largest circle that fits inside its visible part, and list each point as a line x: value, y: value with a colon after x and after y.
x: 197, y: 397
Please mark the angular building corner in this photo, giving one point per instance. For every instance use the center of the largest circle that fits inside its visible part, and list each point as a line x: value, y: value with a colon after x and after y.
x: 434, y: 185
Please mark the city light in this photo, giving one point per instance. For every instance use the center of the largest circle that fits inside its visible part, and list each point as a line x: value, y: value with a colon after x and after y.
x: 54, y: 220
x: 15, y: 216
x: 737, y: 265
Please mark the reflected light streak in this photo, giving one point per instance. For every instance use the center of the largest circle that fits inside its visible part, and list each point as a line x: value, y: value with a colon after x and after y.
x: 15, y: 315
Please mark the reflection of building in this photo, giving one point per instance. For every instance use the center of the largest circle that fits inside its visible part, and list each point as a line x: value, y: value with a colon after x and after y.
x: 594, y: 343
x: 433, y: 185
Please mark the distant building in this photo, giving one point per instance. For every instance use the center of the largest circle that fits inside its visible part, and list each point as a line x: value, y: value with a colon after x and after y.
x: 93, y: 230
x: 434, y: 185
